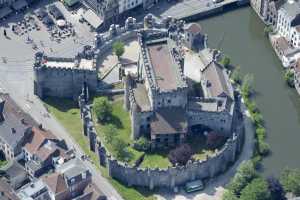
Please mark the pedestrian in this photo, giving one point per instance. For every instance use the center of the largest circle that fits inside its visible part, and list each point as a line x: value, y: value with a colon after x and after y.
x: 4, y: 33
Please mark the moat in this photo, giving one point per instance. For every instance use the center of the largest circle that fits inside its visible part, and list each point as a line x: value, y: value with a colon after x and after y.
x: 239, y: 34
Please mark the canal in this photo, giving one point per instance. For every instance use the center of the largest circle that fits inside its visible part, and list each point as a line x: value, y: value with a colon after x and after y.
x: 239, y: 34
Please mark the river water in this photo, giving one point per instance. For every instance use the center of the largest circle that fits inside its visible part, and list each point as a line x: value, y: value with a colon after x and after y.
x: 239, y: 34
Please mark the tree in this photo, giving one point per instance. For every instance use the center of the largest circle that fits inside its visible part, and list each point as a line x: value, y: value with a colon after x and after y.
x: 257, y: 189
x: 110, y: 131
x: 102, y: 108
x: 263, y: 147
x: 181, y: 154
x: 244, y: 175
x: 290, y: 180
x: 267, y: 30
x: 289, y: 78
x: 229, y: 195
x: 120, y: 147
x: 142, y: 144
x: 225, y: 61
x: 236, y: 75
x: 118, y: 49
x: 275, y: 188
x: 247, y: 85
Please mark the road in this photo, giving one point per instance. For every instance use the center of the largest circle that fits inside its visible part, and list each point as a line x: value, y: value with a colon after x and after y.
x: 16, y: 78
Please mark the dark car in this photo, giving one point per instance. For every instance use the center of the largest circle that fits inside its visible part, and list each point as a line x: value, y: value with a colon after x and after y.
x: 55, y: 12
x: 41, y: 13
x: 47, y: 21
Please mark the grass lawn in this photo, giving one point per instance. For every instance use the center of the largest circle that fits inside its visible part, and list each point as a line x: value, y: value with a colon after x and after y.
x: 121, y: 120
x: 67, y: 113
x: 154, y: 160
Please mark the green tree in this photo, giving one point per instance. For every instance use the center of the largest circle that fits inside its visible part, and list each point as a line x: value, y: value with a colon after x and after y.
x: 263, y: 147
x: 236, y: 75
x: 247, y: 85
x: 118, y: 49
x: 142, y: 144
x: 102, y: 108
x: 257, y: 189
x: 290, y: 180
x: 225, y: 61
x: 229, y: 195
x: 110, y: 131
x: 244, y: 175
x: 120, y: 148
x: 289, y: 78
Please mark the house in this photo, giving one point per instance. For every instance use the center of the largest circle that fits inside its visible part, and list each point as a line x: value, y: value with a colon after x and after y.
x: 194, y: 39
x: 41, y: 150
x: 107, y: 10
x: 6, y: 192
x: 76, y: 177
x: 288, y: 22
x: 91, y: 192
x: 15, y: 174
x: 57, y: 186
x: 15, y: 128
x: 35, y: 190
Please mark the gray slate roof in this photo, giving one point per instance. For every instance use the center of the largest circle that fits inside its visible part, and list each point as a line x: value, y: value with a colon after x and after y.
x: 12, y: 129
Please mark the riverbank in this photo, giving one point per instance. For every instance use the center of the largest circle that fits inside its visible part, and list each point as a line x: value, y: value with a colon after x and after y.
x: 240, y: 34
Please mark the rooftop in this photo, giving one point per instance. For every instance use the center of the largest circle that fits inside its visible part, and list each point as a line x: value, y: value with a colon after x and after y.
x: 7, y: 192
x: 141, y: 97
x: 216, y: 83
x: 31, y: 189
x: 56, y: 183
x: 207, y: 105
x: 291, y: 7
x: 170, y: 120
x: 16, y: 122
x: 72, y: 168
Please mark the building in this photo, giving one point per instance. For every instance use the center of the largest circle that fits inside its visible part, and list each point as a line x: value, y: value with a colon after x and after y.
x: 126, y: 5
x: 157, y: 97
x: 107, y: 10
x: 14, y: 127
x: 288, y: 22
x: 64, y: 77
x: 6, y: 192
x: 76, y: 178
x: 41, y: 151
x: 35, y: 190
x: 194, y: 39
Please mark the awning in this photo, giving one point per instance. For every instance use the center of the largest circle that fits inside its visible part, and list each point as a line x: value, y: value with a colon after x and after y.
x: 92, y: 19
x: 18, y: 5
x: 4, y: 12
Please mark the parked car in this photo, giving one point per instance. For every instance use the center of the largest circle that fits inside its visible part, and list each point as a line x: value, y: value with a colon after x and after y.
x: 55, y: 12
x: 193, y: 186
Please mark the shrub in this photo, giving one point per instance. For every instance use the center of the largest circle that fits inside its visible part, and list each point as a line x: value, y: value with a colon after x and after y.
x: 260, y: 132
x: 229, y: 195
x: 289, y: 78
x: 263, y: 148
x: 290, y: 180
x: 225, y: 61
x: 142, y: 144
x: 257, y: 189
x: 120, y: 147
x: 257, y: 118
x: 102, y: 108
x: 181, y: 154
x: 236, y: 75
x: 247, y: 85
x: 244, y: 175
x: 110, y: 131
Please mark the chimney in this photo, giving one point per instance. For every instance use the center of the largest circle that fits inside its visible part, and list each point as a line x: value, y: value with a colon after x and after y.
x: 13, y: 130
x: 2, y: 102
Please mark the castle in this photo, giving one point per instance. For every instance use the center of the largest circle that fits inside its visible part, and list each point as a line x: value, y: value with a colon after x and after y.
x: 64, y: 77
x: 158, y: 96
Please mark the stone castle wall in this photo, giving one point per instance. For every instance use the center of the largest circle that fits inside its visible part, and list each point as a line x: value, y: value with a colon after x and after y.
x: 179, y: 175
x: 154, y: 178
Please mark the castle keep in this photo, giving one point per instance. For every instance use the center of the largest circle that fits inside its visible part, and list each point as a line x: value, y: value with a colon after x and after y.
x: 64, y: 77
x: 158, y: 96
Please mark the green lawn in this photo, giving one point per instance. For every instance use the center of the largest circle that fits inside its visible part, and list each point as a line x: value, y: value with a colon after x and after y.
x: 154, y: 160
x: 67, y: 113
x: 121, y: 120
